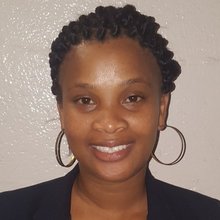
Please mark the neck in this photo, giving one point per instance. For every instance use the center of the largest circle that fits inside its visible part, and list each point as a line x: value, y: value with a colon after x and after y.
x: 118, y: 196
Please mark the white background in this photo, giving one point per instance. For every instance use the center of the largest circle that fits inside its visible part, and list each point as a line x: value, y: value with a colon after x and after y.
x: 29, y: 122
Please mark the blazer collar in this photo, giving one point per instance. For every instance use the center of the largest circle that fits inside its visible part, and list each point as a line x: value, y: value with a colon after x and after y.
x: 57, y: 200
x: 158, y: 203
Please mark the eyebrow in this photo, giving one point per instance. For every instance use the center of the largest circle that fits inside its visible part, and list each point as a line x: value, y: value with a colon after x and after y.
x: 136, y: 80
x: 124, y: 83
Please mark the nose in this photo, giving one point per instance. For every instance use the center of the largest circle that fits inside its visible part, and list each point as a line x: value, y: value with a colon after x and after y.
x: 110, y: 122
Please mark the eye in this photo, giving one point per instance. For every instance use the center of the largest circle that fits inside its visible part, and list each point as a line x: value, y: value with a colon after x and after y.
x: 133, y: 99
x: 84, y: 101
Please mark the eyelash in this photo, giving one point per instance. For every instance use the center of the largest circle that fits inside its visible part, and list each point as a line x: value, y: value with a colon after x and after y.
x: 137, y: 99
x: 84, y: 101
x: 87, y: 104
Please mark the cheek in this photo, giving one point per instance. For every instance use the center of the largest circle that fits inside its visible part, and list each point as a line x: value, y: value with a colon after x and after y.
x: 76, y: 129
x: 73, y: 122
x: 145, y: 128
x: 76, y: 139
x: 145, y: 121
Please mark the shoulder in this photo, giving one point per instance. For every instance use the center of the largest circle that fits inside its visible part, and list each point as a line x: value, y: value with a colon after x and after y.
x: 190, y: 203
x: 24, y: 202
x: 47, y: 200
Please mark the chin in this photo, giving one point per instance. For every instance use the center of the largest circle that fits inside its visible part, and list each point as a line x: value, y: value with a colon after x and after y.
x: 118, y: 172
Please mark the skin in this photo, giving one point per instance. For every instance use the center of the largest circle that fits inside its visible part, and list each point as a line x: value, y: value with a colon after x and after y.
x: 111, y: 96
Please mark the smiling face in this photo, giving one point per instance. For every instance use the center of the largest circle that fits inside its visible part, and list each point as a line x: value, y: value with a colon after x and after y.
x: 112, y: 106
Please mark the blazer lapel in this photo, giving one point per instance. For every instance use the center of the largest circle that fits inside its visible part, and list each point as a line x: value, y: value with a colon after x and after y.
x: 158, y: 206
x: 56, y: 203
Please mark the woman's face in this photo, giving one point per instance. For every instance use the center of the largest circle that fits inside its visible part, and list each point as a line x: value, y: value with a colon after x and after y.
x: 112, y: 106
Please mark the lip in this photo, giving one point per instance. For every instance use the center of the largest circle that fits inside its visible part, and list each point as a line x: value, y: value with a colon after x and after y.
x: 111, y: 156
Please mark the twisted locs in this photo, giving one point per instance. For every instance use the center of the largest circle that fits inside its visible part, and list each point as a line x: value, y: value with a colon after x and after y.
x: 112, y: 22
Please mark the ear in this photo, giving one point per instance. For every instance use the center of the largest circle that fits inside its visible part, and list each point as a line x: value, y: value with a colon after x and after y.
x: 164, y: 109
x: 60, y: 111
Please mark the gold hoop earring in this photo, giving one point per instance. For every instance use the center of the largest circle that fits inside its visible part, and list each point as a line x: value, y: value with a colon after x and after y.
x: 57, y: 151
x: 182, y: 152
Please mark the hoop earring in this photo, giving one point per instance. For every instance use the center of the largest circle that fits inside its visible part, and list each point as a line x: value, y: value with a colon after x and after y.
x: 182, y: 152
x: 57, y: 151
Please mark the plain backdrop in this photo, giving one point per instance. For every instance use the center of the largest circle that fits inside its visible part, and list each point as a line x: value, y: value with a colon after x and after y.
x: 29, y: 122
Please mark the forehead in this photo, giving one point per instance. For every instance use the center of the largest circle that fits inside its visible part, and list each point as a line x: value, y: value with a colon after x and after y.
x: 120, y: 55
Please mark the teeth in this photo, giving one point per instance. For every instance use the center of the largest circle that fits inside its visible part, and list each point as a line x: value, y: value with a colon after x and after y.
x: 110, y: 150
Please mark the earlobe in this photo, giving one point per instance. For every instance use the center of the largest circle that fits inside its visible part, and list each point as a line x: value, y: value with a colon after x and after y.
x: 60, y: 111
x: 164, y: 110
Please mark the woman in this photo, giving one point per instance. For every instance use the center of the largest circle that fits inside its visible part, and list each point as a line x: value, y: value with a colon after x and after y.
x: 112, y: 77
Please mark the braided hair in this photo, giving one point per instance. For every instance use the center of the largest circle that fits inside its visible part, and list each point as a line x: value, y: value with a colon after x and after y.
x: 112, y: 22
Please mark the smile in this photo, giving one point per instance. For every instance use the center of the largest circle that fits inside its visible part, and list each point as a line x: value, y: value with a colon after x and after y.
x: 110, y: 150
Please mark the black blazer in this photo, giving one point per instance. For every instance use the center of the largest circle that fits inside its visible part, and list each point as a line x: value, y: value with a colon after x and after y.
x: 51, y: 201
